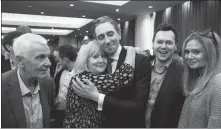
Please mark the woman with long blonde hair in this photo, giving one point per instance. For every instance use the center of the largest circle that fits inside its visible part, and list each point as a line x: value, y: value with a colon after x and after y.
x: 202, y: 81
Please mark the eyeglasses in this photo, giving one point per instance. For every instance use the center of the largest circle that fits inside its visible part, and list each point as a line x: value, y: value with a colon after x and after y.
x: 208, y: 34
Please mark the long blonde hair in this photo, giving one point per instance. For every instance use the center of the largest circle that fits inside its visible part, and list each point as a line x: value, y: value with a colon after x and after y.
x: 194, y: 81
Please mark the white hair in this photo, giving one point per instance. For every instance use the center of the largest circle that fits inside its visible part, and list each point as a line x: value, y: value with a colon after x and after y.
x: 25, y: 43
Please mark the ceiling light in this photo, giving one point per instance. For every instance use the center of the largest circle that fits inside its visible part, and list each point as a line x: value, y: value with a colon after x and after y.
x: 29, y: 6
x: 71, y: 5
x: 150, y: 7
x: 118, y: 19
x: 117, y: 10
x: 78, y: 29
x: 42, y: 12
x: 83, y: 15
x: 87, y: 31
x: 45, y: 2
x: 41, y: 31
x: 116, y: 3
x: 43, y: 21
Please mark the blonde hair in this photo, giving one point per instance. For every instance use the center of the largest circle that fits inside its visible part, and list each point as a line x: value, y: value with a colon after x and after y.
x: 25, y: 43
x: 193, y: 81
x: 85, y: 52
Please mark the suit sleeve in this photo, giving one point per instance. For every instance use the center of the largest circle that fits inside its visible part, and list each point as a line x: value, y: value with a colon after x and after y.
x: 140, y: 94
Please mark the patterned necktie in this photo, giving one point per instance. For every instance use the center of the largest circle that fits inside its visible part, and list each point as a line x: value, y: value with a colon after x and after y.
x: 109, y: 67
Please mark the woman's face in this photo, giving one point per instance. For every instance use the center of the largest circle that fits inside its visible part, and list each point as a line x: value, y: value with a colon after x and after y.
x: 194, y: 55
x: 97, y: 63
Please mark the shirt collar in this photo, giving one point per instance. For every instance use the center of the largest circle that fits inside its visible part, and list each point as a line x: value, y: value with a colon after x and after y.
x: 116, y: 55
x: 23, y: 87
x: 165, y: 65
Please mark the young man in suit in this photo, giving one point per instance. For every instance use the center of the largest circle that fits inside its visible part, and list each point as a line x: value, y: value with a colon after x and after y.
x: 66, y: 56
x: 28, y: 91
x: 125, y: 107
x: 166, y: 98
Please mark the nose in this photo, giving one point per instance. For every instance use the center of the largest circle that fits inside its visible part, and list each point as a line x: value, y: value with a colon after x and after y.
x: 47, y: 62
x: 100, y: 59
x: 190, y: 56
x: 163, y: 45
x: 107, y: 40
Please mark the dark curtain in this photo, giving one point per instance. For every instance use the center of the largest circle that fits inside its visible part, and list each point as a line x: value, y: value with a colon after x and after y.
x: 128, y: 33
x: 197, y: 15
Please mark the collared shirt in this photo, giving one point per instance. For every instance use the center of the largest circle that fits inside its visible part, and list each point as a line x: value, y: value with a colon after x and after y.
x: 156, y: 82
x: 115, y: 58
x: 65, y: 79
x: 32, y: 105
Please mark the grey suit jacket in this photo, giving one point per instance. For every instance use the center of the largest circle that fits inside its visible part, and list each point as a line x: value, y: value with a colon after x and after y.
x: 12, y: 110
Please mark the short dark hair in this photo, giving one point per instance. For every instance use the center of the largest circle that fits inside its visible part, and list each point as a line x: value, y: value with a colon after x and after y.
x: 166, y: 27
x: 9, y: 37
x: 104, y: 19
x: 68, y: 51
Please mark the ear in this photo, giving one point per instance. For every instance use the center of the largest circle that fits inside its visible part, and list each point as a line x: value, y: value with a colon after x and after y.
x: 9, y: 47
x: 119, y: 35
x: 19, y: 61
x: 66, y: 60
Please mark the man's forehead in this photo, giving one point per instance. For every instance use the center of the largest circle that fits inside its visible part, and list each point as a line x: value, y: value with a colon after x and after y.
x: 104, y: 27
x: 167, y: 35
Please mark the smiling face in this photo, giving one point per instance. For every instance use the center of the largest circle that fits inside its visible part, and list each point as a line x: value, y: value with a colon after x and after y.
x: 164, y: 45
x: 97, y: 63
x: 107, y: 37
x: 194, y: 55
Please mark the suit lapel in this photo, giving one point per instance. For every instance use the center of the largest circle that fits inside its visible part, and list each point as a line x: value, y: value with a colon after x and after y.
x: 15, y: 98
x: 167, y: 80
x: 122, y: 56
x: 44, y: 104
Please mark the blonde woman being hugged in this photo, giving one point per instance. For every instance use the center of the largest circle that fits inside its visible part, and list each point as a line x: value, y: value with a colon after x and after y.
x: 91, y: 64
x: 202, y: 81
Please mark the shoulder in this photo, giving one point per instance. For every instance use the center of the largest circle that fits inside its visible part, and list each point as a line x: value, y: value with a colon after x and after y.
x: 142, y: 58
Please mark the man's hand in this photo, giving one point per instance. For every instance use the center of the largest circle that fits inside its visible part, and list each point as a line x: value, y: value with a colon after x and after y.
x: 86, y: 90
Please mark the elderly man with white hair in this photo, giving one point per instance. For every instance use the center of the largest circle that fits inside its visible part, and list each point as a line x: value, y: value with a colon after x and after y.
x: 27, y: 91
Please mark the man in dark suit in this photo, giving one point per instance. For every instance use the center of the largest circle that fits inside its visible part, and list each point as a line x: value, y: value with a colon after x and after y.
x: 28, y: 91
x: 125, y: 107
x: 166, y: 98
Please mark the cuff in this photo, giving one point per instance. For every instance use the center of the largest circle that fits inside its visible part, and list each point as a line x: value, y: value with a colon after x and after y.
x: 100, y: 102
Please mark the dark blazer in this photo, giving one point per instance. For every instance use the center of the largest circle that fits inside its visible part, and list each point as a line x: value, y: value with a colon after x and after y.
x: 126, y: 107
x: 57, y: 81
x: 6, y: 66
x: 170, y: 99
x: 13, y: 115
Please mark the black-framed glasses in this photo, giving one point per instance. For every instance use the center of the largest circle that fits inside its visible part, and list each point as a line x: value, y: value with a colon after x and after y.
x: 209, y: 34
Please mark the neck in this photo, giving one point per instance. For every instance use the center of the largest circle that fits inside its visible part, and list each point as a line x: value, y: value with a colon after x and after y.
x: 29, y: 82
x: 160, y: 63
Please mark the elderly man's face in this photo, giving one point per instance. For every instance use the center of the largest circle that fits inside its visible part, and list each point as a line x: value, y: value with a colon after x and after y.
x: 36, y: 62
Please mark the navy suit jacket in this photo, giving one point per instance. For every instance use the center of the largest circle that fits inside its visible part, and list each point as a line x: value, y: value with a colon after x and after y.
x: 126, y: 107
x: 12, y: 109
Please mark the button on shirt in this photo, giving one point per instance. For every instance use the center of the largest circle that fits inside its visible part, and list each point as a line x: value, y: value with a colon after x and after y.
x: 156, y: 82
x: 65, y: 79
x: 32, y: 105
